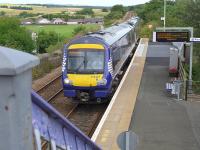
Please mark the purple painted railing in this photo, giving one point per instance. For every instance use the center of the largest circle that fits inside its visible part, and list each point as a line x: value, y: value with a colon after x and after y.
x: 49, y: 124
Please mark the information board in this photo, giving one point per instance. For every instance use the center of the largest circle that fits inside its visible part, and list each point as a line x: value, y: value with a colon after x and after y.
x: 194, y: 39
x: 172, y: 36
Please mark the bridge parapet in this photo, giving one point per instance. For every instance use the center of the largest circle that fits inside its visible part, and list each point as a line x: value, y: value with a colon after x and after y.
x: 24, y: 113
x: 15, y: 101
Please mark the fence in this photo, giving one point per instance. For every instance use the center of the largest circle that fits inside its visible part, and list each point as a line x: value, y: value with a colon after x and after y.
x: 189, y: 90
x: 52, y: 131
x: 183, y: 76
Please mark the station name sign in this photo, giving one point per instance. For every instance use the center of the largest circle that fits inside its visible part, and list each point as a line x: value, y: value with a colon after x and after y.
x: 169, y: 36
x: 195, y: 40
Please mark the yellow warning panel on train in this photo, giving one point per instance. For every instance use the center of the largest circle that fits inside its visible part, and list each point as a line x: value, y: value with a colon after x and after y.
x: 85, y: 80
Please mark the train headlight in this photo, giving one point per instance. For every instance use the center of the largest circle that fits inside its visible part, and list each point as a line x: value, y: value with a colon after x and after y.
x: 67, y: 81
x: 102, y: 82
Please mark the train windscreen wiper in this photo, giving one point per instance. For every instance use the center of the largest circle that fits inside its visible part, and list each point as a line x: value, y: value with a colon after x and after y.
x: 79, y: 67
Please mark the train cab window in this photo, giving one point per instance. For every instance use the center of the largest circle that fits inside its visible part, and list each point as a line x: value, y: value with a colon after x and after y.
x: 85, y: 61
x: 95, y: 60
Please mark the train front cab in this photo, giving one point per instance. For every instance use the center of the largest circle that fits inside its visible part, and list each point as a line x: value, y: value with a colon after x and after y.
x: 87, y: 71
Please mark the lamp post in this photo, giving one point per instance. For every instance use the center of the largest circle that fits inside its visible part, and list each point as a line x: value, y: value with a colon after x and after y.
x: 164, y: 14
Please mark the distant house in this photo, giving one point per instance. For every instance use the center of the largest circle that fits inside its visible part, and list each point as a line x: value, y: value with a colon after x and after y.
x: 43, y: 21
x: 75, y: 21
x: 86, y: 21
x: 93, y: 21
x: 58, y: 21
x: 27, y: 22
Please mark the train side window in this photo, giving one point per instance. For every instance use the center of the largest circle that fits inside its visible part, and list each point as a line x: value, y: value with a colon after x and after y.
x: 130, y: 38
x: 115, y: 54
x: 124, y: 44
x: 133, y: 35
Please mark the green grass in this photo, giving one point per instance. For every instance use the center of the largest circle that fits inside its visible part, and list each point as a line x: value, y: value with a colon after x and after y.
x: 63, y: 30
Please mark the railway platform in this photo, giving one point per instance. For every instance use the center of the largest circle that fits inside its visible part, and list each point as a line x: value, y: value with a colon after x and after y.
x: 142, y: 105
x: 160, y: 121
x: 117, y: 117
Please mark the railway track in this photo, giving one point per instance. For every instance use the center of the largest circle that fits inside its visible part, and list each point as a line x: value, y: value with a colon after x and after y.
x: 51, y: 89
x: 52, y: 92
x: 85, y: 116
x: 79, y: 114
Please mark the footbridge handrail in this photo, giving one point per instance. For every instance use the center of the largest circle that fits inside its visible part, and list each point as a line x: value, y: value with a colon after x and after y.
x: 49, y: 124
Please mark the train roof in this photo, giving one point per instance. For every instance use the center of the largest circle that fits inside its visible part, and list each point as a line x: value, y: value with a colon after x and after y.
x: 114, y: 33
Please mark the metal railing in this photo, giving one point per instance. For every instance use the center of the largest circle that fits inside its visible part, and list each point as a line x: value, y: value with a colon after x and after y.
x: 183, y: 76
x: 49, y: 126
x: 189, y: 89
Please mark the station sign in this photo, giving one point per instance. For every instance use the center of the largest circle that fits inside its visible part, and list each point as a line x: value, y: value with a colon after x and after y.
x: 194, y: 39
x: 169, y: 36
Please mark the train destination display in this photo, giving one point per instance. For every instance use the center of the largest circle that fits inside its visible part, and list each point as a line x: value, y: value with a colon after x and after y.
x: 169, y: 36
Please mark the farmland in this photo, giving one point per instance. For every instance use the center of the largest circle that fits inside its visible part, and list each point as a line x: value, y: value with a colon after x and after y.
x: 65, y: 31
x: 48, y: 10
x: 39, y: 9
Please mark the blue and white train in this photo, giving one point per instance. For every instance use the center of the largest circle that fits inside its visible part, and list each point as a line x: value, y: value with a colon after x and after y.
x: 92, y: 62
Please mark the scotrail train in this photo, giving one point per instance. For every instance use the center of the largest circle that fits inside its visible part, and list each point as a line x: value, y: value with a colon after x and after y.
x: 91, y: 63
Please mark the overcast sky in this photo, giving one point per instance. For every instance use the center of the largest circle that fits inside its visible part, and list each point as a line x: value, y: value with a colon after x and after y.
x: 79, y: 2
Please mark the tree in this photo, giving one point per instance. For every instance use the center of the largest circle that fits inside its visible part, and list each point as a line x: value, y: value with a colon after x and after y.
x: 118, y: 8
x: 117, y: 12
x: 25, y: 14
x: 79, y: 29
x: 179, y: 13
x: 192, y: 15
x: 14, y: 36
x: 45, y: 39
x: 104, y: 10
x: 85, y: 11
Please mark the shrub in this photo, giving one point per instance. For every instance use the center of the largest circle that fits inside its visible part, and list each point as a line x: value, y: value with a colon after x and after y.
x: 45, y: 39
x: 14, y: 36
x: 79, y: 29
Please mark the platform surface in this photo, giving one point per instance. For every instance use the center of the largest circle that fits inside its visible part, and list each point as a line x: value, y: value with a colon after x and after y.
x: 161, y: 122
x: 118, y: 115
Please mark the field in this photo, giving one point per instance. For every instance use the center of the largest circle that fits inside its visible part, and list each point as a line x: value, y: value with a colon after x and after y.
x: 46, y: 10
x: 39, y: 9
x: 63, y: 30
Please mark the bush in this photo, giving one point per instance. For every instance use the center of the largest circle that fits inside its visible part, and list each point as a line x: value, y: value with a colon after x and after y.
x: 117, y: 12
x: 45, y: 39
x: 14, y: 36
x: 25, y: 14
x: 85, y: 11
x: 21, y: 7
x: 55, y: 47
x: 3, y: 6
x: 104, y: 10
x: 44, y: 68
x: 118, y: 8
x: 79, y: 29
